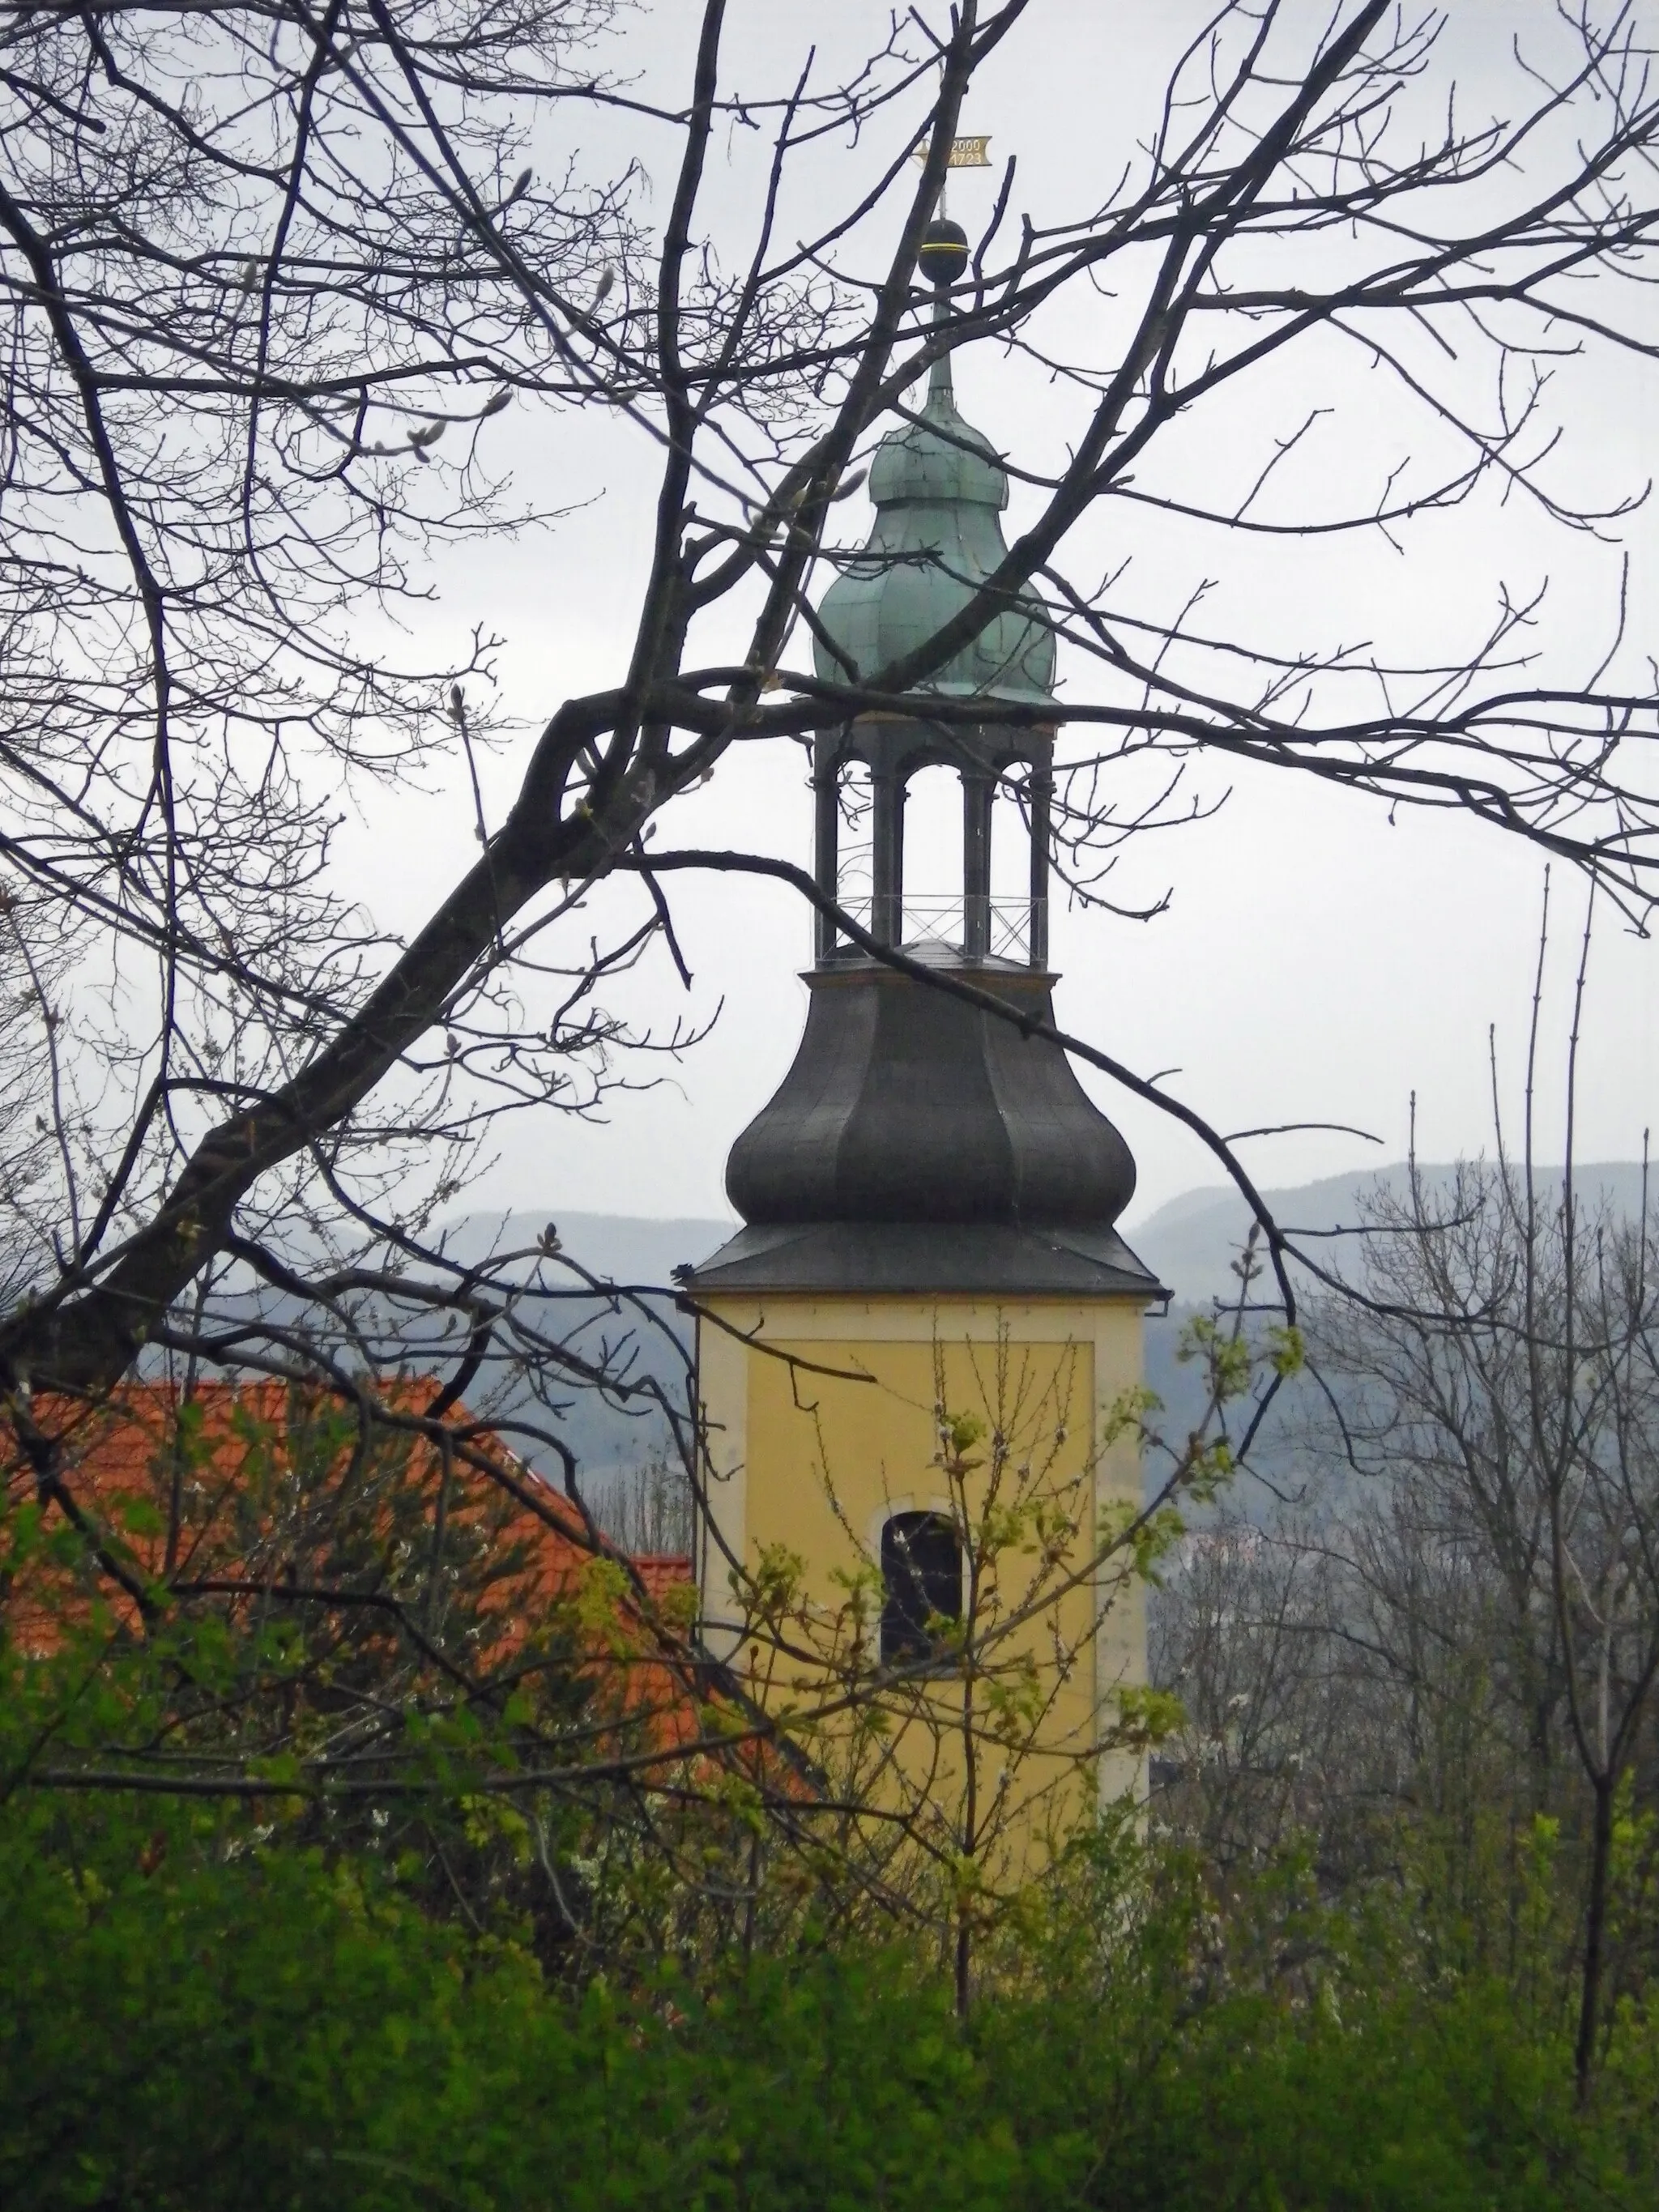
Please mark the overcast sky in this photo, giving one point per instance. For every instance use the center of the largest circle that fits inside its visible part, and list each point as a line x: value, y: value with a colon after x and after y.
x: 1318, y: 962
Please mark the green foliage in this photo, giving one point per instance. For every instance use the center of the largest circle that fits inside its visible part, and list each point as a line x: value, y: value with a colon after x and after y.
x: 419, y: 1660
x: 367, y: 2001
x: 1147, y: 1538
x: 1286, y: 1350
x: 198, y: 2016
x: 1223, y: 1351
x: 959, y: 1434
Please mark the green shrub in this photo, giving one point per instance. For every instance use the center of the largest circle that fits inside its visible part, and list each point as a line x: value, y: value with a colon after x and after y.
x: 189, y: 2018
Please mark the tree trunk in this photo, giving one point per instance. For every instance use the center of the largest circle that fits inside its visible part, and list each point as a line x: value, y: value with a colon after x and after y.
x: 1595, y: 1921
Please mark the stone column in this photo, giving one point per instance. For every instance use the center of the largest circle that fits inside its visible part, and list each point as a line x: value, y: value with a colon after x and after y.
x: 1041, y: 789
x: 826, y: 842
x: 978, y: 793
x: 887, y: 856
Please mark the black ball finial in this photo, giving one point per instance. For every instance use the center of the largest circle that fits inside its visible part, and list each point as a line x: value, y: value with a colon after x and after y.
x: 943, y: 254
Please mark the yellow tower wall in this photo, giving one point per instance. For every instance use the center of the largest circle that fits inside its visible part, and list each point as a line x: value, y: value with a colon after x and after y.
x: 827, y: 1415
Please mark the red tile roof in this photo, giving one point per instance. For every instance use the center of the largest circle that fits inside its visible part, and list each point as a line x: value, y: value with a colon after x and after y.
x: 216, y: 1483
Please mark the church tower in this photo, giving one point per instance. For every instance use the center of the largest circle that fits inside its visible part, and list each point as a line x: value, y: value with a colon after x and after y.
x: 918, y: 1360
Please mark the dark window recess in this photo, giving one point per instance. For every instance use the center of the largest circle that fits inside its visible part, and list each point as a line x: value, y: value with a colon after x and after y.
x: 921, y: 1570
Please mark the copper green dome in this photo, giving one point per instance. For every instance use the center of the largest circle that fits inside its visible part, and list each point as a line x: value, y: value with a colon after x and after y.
x: 938, y: 491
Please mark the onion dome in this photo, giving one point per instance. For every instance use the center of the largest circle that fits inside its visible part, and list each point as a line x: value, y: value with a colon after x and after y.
x: 921, y: 1147
x: 907, y: 1104
x: 938, y: 490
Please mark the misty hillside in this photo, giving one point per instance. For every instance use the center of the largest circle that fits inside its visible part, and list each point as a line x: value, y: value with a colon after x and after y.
x: 622, y: 1247
x: 1191, y: 1243
x: 612, y: 1443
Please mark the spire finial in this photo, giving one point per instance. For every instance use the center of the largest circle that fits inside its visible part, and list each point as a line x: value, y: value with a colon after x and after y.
x: 943, y: 254
x: 941, y: 259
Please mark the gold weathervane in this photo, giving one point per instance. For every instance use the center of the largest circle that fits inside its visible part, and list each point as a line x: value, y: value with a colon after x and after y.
x: 965, y: 153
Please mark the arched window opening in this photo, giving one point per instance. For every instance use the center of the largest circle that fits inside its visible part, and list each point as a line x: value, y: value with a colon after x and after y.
x: 921, y: 1574
x: 930, y: 899
x: 1012, y: 886
x: 853, y: 881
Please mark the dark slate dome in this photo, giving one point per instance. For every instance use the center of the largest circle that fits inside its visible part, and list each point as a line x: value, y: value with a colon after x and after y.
x: 907, y: 1105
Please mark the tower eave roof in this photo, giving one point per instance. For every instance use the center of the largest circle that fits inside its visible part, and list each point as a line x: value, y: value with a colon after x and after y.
x: 926, y: 1260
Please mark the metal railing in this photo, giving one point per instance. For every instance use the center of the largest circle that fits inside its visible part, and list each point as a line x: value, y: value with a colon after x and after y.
x: 928, y: 919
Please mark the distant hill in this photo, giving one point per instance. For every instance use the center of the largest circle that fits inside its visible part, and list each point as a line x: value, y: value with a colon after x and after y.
x: 1191, y: 1243
x: 612, y: 1443
x: 623, y: 1248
